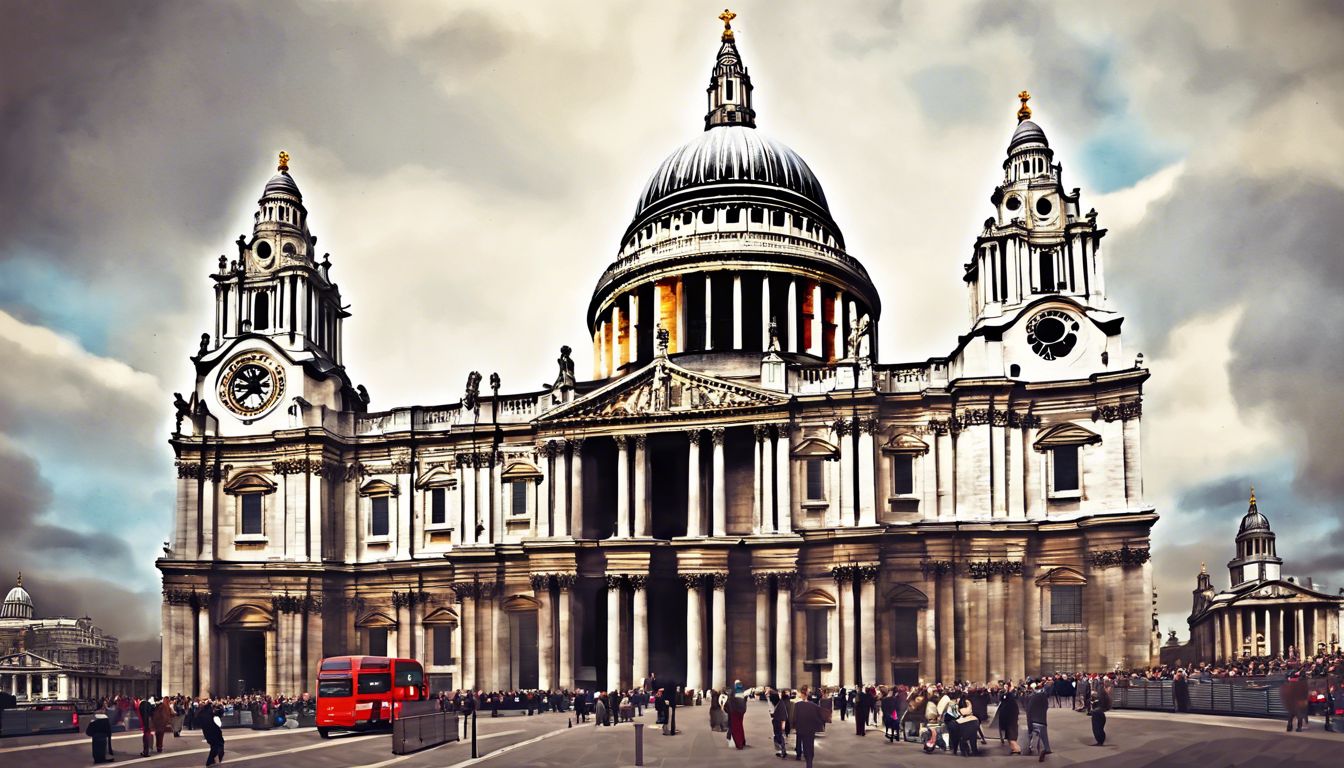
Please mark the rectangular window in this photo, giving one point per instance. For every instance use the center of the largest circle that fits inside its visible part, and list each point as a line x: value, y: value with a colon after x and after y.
x: 903, y: 475
x: 409, y: 674
x: 334, y: 689
x: 776, y: 218
x: 728, y: 90
x: 1066, y: 604
x: 438, y: 506
x: 378, y: 522
x: 443, y: 645
x: 519, y: 494
x: 252, y: 514
x: 757, y: 215
x: 377, y: 647
x: 905, y: 639
x: 377, y: 682
x: 816, y: 635
x: 816, y: 480
x: 731, y: 216
x: 1064, y: 468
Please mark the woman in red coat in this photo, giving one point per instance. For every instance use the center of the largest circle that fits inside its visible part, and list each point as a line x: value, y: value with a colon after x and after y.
x: 737, y: 712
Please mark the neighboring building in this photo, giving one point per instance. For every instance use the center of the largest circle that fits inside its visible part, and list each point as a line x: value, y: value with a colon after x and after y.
x: 56, y: 658
x: 743, y: 491
x: 1264, y: 613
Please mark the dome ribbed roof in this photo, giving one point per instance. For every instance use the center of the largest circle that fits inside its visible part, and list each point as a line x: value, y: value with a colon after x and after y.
x: 282, y: 183
x: 1253, y: 521
x: 18, y: 604
x: 1026, y: 132
x: 731, y: 155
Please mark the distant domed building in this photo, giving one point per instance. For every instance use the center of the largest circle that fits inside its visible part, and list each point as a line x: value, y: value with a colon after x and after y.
x: 1263, y: 612
x: 742, y: 490
x: 57, y: 658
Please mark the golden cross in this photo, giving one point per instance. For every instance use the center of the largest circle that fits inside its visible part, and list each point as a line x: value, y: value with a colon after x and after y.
x: 1025, y: 112
x: 284, y: 161
x: 727, y: 18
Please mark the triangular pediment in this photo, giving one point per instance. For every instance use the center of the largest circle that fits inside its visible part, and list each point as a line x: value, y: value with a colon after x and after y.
x: 27, y: 661
x: 664, y: 390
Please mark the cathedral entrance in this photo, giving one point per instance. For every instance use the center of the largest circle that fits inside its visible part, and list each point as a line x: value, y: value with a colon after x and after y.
x: 667, y: 619
x: 668, y: 490
x: 247, y: 662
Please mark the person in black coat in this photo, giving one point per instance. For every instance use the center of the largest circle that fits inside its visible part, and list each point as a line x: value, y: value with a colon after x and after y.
x: 1180, y: 692
x: 862, y: 704
x: 1096, y: 709
x: 208, y: 719
x: 1038, y: 706
x: 100, y: 731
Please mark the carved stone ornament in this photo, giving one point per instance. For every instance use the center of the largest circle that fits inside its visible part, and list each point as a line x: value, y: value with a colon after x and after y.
x: 984, y: 569
x: 693, y: 435
x: 614, y: 581
x: 935, y: 567
x: 187, y: 470
x: 190, y: 597
x: 540, y: 582
x: 637, y: 581
x: 409, y: 598
x: 664, y: 389
x: 1130, y: 409
x: 1125, y: 555
x: 716, y: 435
x: 465, y: 590
x: 566, y: 581
x: 288, y: 603
x: 716, y: 580
x: 692, y: 581
x: 857, y: 573
x: 761, y: 432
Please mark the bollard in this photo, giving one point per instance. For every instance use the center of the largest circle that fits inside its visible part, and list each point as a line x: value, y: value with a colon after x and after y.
x: 474, y: 715
x: 639, y: 743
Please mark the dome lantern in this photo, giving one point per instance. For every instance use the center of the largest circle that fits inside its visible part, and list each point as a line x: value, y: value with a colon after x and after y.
x: 18, y: 603
x: 729, y: 84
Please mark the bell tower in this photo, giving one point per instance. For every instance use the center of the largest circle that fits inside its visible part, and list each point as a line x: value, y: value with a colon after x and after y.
x: 277, y: 287
x: 1257, y: 558
x: 729, y: 84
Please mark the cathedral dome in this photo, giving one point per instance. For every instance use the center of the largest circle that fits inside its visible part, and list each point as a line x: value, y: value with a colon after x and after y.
x: 1027, y: 133
x: 282, y: 184
x: 731, y: 155
x: 18, y: 603
x: 1253, y: 521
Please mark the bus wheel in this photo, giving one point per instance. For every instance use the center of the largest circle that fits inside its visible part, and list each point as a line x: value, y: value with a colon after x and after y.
x: 324, y: 733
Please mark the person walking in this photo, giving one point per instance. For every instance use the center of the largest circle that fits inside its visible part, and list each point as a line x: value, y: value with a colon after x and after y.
x: 842, y: 702
x: 807, y: 722
x: 144, y: 709
x: 99, y: 730
x: 211, y: 729
x: 1096, y: 709
x: 1038, y: 736
x: 1180, y: 692
x: 737, y: 713
x: 861, y: 706
x: 779, y: 717
x: 1008, y: 714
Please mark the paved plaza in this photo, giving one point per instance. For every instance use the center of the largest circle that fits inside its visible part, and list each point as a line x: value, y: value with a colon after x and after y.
x: 1134, y: 739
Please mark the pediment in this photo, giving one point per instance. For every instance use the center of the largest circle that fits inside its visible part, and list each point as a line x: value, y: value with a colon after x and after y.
x: 521, y: 470
x: 816, y: 448
x: 436, y: 477
x: 1061, y: 575
x: 27, y: 661
x: 905, y: 443
x: 815, y: 598
x: 1065, y: 434
x: 664, y: 389
x: 441, y: 616
x: 376, y: 620
x: 249, y: 617
x: 250, y: 481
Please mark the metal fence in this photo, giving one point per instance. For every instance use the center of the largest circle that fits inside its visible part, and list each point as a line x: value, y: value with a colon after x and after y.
x: 420, y: 731
x: 1252, y: 697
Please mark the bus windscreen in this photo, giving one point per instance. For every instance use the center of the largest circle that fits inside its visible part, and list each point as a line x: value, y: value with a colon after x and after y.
x: 339, y: 688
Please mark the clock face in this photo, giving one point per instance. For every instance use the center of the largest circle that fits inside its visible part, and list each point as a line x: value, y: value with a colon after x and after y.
x: 1052, y: 334
x: 251, y: 384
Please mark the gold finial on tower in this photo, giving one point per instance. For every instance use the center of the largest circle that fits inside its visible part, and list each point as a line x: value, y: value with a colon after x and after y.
x: 727, y: 18
x: 1252, y: 494
x: 284, y: 161
x: 1203, y: 568
x: 19, y: 582
x: 1025, y: 112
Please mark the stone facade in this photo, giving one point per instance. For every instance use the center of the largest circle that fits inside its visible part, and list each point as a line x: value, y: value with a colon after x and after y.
x: 742, y: 492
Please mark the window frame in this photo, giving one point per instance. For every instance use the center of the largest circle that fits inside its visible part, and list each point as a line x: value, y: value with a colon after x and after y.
x: 820, y: 465
x: 243, y: 532
x: 245, y: 483
x: 1049, y: 618
x: 386, y: 499
x: 1066, y: 435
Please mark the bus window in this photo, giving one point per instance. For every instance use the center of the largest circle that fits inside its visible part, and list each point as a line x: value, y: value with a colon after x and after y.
x: 375, y: 683
x: 339, y: 688
x: 409, y: 675
x: 335, y: 664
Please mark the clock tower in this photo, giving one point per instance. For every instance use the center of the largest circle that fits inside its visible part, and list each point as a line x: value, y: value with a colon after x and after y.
x: 1037, y: 296
x: 278, y: 317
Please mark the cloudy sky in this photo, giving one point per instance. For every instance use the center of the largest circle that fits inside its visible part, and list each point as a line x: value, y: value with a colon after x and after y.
x: 471, y: 165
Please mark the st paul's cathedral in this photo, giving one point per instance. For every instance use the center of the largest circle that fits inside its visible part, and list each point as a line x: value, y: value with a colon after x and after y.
x: 742, y: 490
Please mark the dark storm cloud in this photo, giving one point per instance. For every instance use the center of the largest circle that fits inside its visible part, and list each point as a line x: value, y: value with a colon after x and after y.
x: 1273, y: 244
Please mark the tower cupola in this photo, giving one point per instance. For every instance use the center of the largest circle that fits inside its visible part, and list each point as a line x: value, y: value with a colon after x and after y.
x: 729, y: 85
x: 1257, y: 558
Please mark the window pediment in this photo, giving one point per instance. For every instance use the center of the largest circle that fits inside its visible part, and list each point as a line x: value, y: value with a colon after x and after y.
x: 249, y: 482
x: 438, y: 477
x: 905, y: 443
x: 906, y: 596
x: 441, y: 617
x: 1061, y: 575
x: 248, y: 616
x: 1067, y: 434
x: 520, y: 470
x: 816, y: 448
x: 815, y: 598
x: 378, y: 488
x: 521, y: 603
x: 376, y: 620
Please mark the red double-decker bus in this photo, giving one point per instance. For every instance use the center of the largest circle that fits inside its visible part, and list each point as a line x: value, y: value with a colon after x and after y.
x: 363, y: 692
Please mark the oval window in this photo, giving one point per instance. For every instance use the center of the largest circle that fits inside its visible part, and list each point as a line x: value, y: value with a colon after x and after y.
x: 1013, y: 203
x: 1043, y: 206
x: 263, y: 250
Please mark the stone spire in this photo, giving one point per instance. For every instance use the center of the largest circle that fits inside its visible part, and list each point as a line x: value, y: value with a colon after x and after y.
x: 729, y: 84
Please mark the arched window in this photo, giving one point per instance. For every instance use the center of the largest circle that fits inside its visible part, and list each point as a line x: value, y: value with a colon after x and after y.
x: 261, y: 315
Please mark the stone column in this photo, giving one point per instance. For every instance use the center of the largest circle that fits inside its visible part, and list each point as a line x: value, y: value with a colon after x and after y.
x: 614, y: 660
x: 576, y: 488
x: 946, y: 618
x: 559, y: 478
x: 503, y: 645
x: 996, y: 625
x: 622, y: 488
x: 643, y: 518
x: 63, y: 687
x: 737, y: 311
x: 867, y: 628
x: 792, y: 304
x: 271, y: 640
x: 695, y: 630
x: 783, y: 478
x: 1254, y: 631
x: 762, y: 630
x: 694, y: 512
x: 765, y: 313
x: 466, y: 593
x: 720, y: 509
x: 844, y: 626
x: 866, y: 457
x: 639, y: 668
x: 709, y: 312
x: 564, y: 583
x: 541, y: 586
x: 1299, y: 636
x: 761, y: 501
x: 784, y: 655
x: 719, y: 628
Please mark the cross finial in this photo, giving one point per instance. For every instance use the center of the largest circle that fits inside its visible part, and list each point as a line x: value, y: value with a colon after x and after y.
x: 1203, y: 568
x: 1252, y: 494
x: 19, y: 582
x: 1025, y: 112
x: 284, y: 161
x: 727, y: 18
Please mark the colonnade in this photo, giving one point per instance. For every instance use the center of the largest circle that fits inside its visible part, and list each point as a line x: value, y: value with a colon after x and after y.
x: 32, y: 686
x: 1268, y: 630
